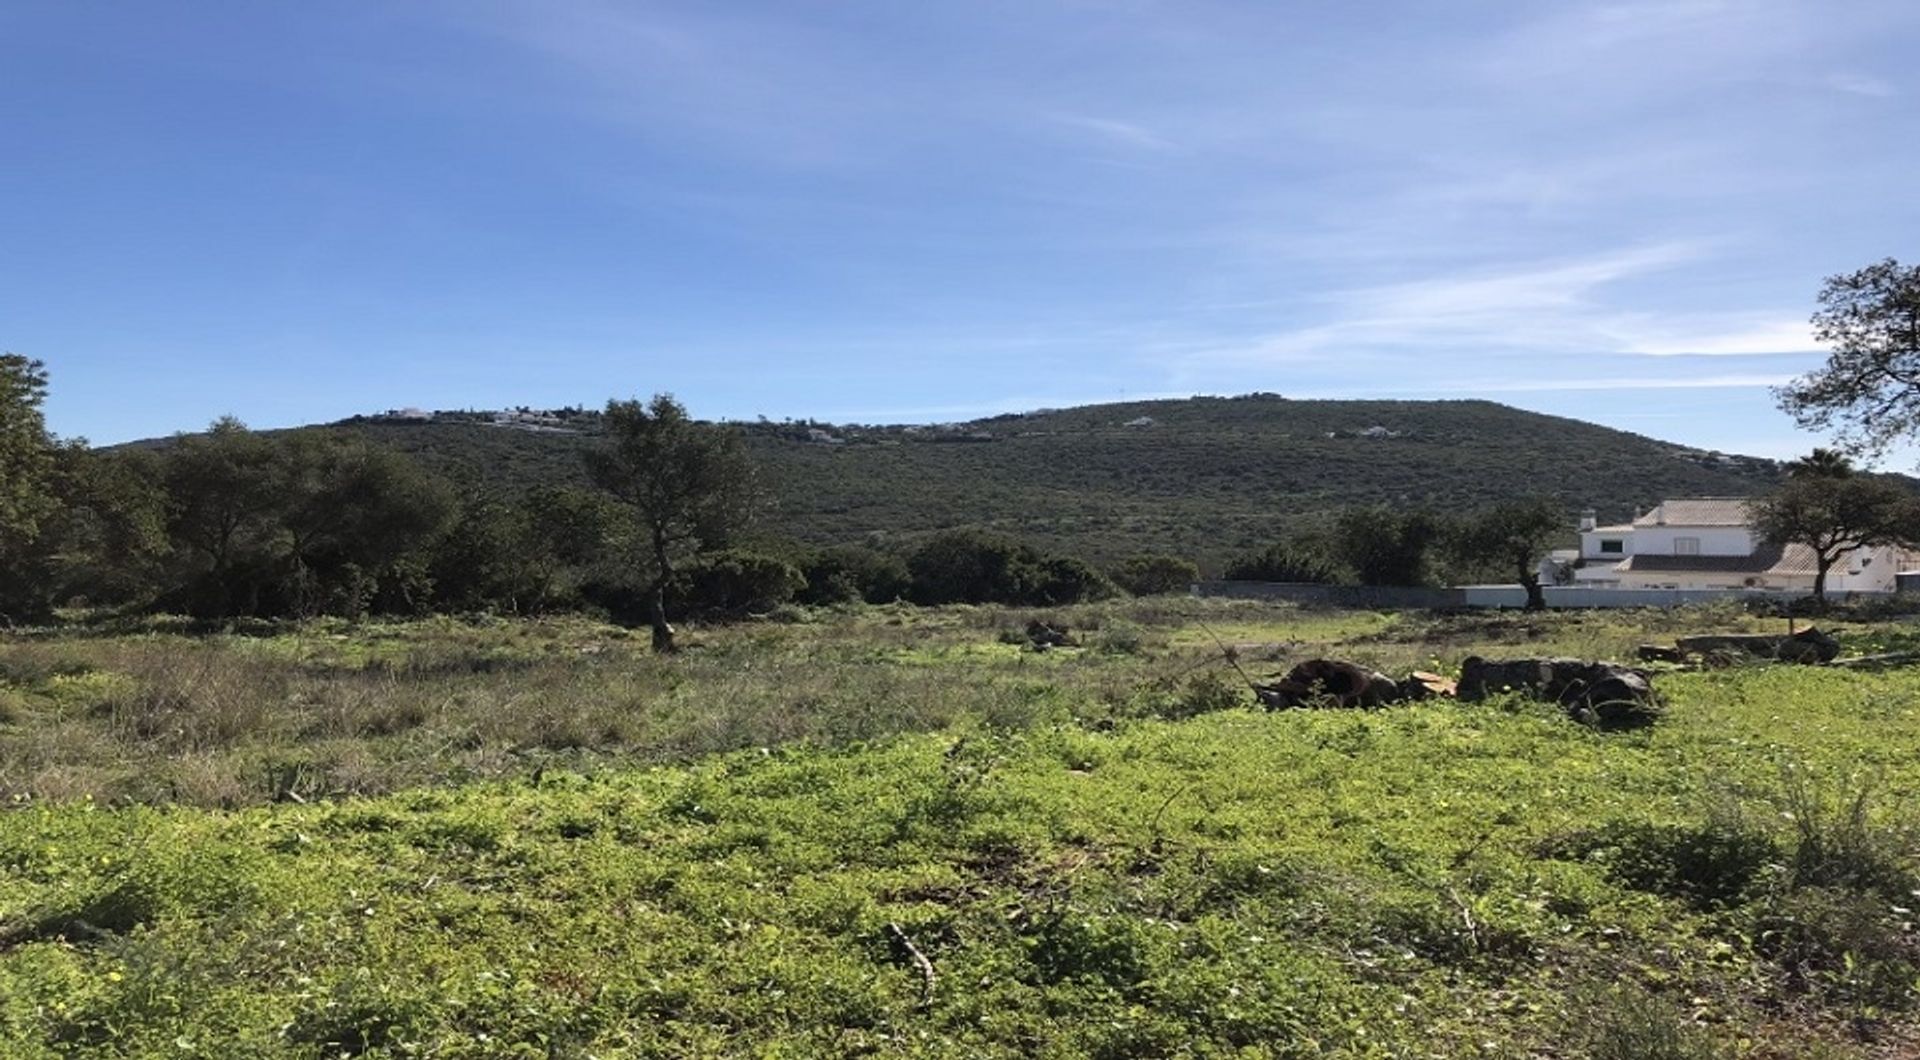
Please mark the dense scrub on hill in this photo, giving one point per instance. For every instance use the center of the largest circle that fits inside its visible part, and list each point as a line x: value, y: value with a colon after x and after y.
x: 1208, y: 479
x: 459, y: 514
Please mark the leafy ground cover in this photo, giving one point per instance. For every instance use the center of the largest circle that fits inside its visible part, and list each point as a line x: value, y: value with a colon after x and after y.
x: 1097, y: 851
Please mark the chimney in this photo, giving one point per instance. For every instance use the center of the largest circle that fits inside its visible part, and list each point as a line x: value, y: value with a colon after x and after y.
x: 1588, y: 520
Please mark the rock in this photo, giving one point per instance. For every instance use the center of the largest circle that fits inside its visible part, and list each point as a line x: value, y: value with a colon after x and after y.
x: 1660, y: 653
x: 1603, y: 694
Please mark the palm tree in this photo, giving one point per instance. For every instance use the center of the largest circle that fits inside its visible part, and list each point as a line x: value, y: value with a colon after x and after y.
x: 1821, y: 463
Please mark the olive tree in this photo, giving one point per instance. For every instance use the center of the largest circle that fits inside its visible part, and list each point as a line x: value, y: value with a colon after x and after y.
x: 1833, y: 511
x: 690, y: 487
x: 1512, y: 536
x: 1868, y: 392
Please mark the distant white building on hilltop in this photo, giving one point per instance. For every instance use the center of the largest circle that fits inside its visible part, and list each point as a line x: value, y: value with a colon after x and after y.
x: 1709, y: 543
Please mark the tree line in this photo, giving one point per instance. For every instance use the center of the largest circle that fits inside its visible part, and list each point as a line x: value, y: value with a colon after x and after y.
x: 234, y: 523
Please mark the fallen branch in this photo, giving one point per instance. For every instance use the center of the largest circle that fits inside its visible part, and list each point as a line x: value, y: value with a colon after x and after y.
x: 1876, y: 662
x: 1466, y: 918
x: 1232, y: 657
x: 900, y: 940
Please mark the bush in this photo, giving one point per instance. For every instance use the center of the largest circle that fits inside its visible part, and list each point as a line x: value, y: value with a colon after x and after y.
x: 1630, y: 1024
x: 1840, y: 944
x: 1152, y: 575
x: 1063, y: 580
x: 1281, y: 563
x: 971, y: 567
x: 1838, y: 844
x: 1387, y: 547
x: 735, y: 582
x: 849, y: 573
x: 1207, y: 693
x: 1710, y: 865
x: 976, y: 567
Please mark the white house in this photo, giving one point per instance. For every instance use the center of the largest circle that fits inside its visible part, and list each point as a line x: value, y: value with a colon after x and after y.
x: 1709, y: 543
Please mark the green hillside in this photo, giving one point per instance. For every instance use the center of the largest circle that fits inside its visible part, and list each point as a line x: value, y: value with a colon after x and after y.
x: 1209, y: 477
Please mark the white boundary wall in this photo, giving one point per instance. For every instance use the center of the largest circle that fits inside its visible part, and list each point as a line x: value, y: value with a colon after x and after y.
x: 1495, y: 596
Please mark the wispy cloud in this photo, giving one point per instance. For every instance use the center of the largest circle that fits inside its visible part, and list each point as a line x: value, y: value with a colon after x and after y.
x: 759, y: 86
x: 1124, y: 133
x: 1861, y: 85
x: 1727, y: 381
x: 1542, y: 307
x: 1729, y: 338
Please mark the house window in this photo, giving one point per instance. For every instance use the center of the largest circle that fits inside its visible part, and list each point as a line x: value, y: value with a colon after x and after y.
x: 1612, y: 548
x: 1686, y: 546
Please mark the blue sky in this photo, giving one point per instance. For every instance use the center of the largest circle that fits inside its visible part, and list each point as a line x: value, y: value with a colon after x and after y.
x: 883, y: 211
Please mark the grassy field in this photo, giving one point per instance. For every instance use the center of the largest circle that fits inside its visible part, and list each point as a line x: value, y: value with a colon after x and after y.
x: 893, y: 831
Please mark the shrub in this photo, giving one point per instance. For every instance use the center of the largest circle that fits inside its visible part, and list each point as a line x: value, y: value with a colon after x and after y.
x: 735, y: 582
x: 1630, y: 1024
x: 1152, y: 575
x: 1120, y: 638
x: 972, y: 567
x: 1712, y: 864
x: 1281, y: 563
x: 1837, y: 843
x: 847, y: 573
x: 1840, y: 944
x: 1387, y: 547
x: 1206, y: 693
x: 1064, y: 580
x: 977, y: 567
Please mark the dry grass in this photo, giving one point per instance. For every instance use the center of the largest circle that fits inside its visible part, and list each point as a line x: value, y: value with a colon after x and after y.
x: 153, y: 714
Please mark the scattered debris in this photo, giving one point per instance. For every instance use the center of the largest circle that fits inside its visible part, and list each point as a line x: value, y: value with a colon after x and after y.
x: 1808, y: 646
x: 1605, y: 695
x: 1045, y: 635
x: 1423, y: 685
x: 1602, y: 694
x: 1330, y: 680
x: 1882, y: 661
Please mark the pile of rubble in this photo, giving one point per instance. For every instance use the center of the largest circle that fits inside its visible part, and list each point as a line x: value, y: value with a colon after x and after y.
x: 1601, y: 694
x: 1808, y: 646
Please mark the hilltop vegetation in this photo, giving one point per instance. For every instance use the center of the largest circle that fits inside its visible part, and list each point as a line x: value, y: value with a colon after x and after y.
x: 1207, y: 479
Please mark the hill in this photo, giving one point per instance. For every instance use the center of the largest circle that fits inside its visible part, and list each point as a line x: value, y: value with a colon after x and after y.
x: 1201, y: 477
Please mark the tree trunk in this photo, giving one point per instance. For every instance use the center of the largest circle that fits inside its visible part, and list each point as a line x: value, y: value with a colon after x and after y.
x: 657, y: 595
x: 1821, y: 564
x: 657, y: 617
x: 1536, y: 598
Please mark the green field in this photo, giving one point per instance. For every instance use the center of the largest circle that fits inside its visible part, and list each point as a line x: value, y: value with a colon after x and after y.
x: 534, y: 839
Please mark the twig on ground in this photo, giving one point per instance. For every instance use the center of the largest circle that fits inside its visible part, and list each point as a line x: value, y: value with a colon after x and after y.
x: 900, y: 940
x: 1232, y: 657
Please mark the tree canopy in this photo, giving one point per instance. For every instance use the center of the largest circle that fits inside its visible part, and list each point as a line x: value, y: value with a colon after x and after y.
x: 26, y: 470
x: 1868, y: 392
x: 1834, y: 513
x: 1512, y: 536
x: 690, y: 487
